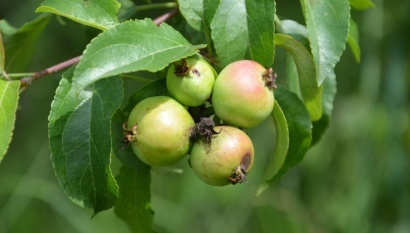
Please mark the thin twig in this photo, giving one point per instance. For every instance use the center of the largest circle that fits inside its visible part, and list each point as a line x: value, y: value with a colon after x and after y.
x: 24, y: 82
x: 165, y: 17
x: 5, y: 75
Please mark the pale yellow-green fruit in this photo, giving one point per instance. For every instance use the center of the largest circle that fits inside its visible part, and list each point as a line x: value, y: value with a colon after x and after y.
x: 162, y: 133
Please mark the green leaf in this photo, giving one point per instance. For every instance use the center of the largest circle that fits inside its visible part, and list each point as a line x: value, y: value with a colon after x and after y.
x: 353, y: 40
x: 311, y: 93
x: 80, y: 140
x: 244, y: 29
x: 8, y: 105
x: 94, y: 13
x: 20, y: 46
x: 292, y: 77
x: 127, y: 9
x: 329, y: 92
x: 6, y: 29
x: 193, y: 12
x: 2, y: 55
x: 131, y: 46
x: 261, y: 30
x: 296, y: 31
x: 328, y: 26
x: 156, y: 88
x: 299, y: 125
x: 134, y: 201
x: 210, y: 7
x: 281, y: 145
x: 361, y: 4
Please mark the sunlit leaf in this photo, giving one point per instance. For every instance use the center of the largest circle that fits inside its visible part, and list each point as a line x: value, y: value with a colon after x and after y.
x: 193, y: 12
x: 296, y: 31
x: 328, y: 26
x: 299, y: 125
x: 261, y: 30
x: 210, y: 7
x: 361, y: 4
x: 281, y: 145
x: 80, y: 140
x: 94, y: 13
x: 8, y: 105
x: 353, y: 40
x: 311, y: 93
x: 244, y: 29
x: 131, y: 46
x: 21, y: 44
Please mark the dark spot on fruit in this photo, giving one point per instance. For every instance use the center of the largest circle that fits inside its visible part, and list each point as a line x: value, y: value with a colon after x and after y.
x: 181, y: 68
x: 246, y: 161
x: 196, y: 72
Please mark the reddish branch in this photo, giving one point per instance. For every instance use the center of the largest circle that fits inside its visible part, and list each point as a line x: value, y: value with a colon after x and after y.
x: 25, y: 82
x: 165, y: 17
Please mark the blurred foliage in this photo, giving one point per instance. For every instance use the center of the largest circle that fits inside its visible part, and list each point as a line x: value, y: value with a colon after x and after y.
x: 357, y: 179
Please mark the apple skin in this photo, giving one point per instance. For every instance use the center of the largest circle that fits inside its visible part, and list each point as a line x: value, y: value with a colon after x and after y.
x: 240, y: 95
x: 195, y: 87
x: 163, y: 127
x: 218, y: 161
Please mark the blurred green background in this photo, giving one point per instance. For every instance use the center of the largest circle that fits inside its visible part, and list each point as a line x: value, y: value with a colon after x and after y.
x: 357, y: 179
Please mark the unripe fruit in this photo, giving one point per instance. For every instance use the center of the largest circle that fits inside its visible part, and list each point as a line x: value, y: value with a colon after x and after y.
x: 190, y: 81
x: 226, y: 160
x: 243, y: 94
x: 160, y: 130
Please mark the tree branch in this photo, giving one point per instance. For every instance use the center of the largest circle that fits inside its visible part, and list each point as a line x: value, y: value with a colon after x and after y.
x: 27, y: 81
x: 165, y: 17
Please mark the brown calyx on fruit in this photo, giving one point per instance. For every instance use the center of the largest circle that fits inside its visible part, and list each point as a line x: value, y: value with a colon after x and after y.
x: 270, y: 79
x: 129, y: 135
x: 205, y: 129
x: 239, y: 174
x: 181, y: 68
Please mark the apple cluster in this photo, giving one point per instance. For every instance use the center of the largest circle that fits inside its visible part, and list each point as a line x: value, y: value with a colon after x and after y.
x: 162, y: 130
